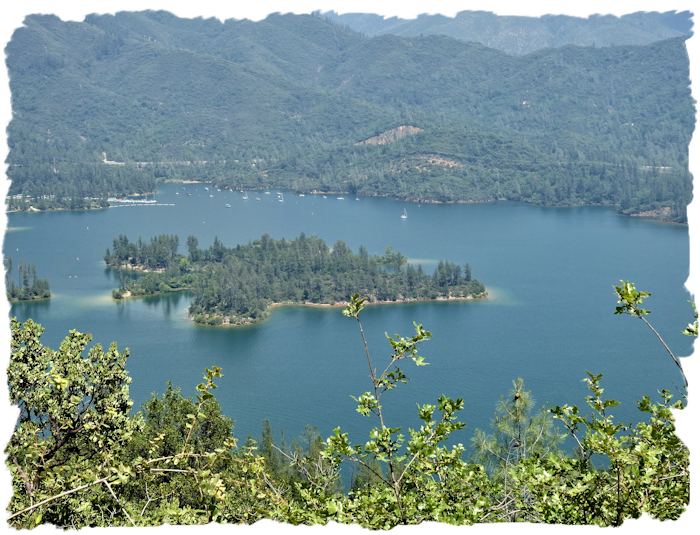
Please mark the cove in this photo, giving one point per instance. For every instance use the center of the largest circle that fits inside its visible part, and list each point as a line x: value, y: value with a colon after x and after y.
x: 548, y: 319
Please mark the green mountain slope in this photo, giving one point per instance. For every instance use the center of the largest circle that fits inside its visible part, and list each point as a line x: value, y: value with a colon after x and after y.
x: 110, y: 105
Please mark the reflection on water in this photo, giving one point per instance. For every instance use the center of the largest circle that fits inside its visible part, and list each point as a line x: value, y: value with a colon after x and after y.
x: 123, y: 309
x: 169, y: 303
x: 113, y: 274
x: 34, y: 309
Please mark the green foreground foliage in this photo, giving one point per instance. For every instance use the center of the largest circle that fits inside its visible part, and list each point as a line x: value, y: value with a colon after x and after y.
x: 236, y: 285
x: 78, y: 457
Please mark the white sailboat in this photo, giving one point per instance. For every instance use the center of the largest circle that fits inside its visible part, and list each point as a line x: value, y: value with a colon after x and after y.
x: 405, y: 215
x: 281, y: 199
x: 245, y: 196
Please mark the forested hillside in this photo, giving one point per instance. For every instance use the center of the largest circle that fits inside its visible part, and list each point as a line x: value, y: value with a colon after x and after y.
x: 110, y: 105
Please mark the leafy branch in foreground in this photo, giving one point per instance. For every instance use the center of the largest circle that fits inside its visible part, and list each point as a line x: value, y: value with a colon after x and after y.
x: 692, y: 328
x: 630, y: 302
x: 78, y: 458
x: 72, y: 409
x: 647, y: 466
x: 417, y: 473
x: 75, y: 455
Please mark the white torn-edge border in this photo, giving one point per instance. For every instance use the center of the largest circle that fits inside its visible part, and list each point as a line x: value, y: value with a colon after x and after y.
x: 12, y: 14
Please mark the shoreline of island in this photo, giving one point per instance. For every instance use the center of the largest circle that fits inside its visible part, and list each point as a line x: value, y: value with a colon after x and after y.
x: 272, y: 306
x: 337, y: 304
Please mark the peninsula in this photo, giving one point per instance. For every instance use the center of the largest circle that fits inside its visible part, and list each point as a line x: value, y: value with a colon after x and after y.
x: 238, y: 285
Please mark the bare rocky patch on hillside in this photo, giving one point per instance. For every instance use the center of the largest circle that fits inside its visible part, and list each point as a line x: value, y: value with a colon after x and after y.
x: 390, y: 136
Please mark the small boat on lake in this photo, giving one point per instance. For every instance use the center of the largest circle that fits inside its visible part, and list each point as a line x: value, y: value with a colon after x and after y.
x: 341, y: 198
x: 228, y: 206
x: 405, y: 215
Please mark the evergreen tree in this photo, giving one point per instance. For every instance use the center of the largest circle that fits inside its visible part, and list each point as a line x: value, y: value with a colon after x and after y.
x: 517, y: 433
x: 267, y: 448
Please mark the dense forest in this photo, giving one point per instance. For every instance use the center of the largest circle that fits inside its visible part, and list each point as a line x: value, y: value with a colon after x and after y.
x: 237, y: 285
x: 113, y: 104
x: 28, y: 286
x: 80, y: 457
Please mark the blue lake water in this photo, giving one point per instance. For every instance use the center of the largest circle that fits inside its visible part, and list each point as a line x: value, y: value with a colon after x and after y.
x: 549, y: 318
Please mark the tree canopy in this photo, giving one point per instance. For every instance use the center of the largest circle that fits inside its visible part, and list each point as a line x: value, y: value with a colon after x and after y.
x: 236, y: 285
x: 109, y: 106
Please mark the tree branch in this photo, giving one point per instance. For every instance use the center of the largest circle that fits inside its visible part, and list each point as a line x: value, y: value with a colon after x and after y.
x: 52, y: 498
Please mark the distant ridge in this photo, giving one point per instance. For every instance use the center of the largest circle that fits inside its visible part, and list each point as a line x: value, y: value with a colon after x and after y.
x: 522, y: 35
x: 109, y: 106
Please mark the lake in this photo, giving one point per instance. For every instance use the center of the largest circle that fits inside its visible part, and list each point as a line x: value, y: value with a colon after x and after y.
x: 549, y: 318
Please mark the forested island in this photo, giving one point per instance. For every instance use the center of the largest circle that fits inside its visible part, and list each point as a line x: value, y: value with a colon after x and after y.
x: 238, y: 285
x: 29, y: 285
x: 111, y: 105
